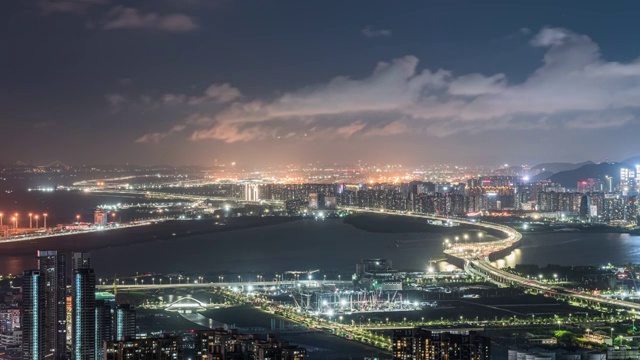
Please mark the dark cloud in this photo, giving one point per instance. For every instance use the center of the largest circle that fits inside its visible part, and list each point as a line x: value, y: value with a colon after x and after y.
x: 130, y: 18
x: 371, y: 32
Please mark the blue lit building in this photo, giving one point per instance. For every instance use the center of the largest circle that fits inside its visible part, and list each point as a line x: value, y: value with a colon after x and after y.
x: 33, y: 315
x: 83, y: 307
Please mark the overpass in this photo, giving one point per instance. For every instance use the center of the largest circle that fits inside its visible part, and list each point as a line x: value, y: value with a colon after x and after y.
x: 476, y: 258
x: 238, y: 285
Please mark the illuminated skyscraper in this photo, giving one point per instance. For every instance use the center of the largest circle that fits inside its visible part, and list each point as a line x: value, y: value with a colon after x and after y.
x: 608, y: 183
x: 125, y: 322
x: 33, y: 315
x: 251, y: 192
x: 83, y: 288
x: 627, y: 179
x: 53, y: 267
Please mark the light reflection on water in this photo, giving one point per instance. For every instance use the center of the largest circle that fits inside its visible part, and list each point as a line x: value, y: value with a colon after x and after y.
x: 510, y: 260
x: 332, y: 245
x: 575, y: 249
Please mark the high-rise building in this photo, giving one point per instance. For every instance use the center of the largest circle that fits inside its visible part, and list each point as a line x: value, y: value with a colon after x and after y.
x: 627, y: 179
x: 125, y: 322
x: 166, y: 348
x: 52, y: 266
x: 81, y: 260
x: 83, y: 288
x: 252, y: 192
x: 608, y: 183
x: 104, y: 328
x: 422, y: 344
x: 33, y: 315
x: 585, y: 205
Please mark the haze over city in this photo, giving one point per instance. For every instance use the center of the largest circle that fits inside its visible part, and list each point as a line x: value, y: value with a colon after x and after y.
x: 184, y: 82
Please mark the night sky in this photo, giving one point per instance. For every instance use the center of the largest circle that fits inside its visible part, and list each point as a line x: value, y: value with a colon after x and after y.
x: 278, y: 82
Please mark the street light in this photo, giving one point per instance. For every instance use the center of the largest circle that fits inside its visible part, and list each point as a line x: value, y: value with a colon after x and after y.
x: 45, y: 219
x: 1, y: 215
x: 78, y: 219
x: 37, y: 217
x: 30, y: 220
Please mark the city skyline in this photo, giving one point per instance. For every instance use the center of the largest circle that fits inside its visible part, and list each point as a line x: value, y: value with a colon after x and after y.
x: 190, y: 82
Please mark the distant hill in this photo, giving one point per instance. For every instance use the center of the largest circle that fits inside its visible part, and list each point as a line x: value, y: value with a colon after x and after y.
x: 542, y: 176
x: 632, y: 161
x: 558, y: 167
x: 570, y: 178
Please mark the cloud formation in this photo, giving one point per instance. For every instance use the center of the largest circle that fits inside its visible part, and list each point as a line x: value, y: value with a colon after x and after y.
x: 574, y: 87
x: 67, y: 6
x: 215, y: 93
x: 122, y: 17
x: 371, y: 32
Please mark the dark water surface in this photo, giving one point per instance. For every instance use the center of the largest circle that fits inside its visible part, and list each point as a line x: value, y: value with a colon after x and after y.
x: 327, y: 245
x: 297, y: 245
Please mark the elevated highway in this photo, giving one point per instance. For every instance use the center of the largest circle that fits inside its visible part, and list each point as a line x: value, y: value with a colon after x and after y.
x: 476, y: 258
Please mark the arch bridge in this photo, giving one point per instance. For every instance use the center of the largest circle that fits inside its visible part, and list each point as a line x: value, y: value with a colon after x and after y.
x: 186, y: 303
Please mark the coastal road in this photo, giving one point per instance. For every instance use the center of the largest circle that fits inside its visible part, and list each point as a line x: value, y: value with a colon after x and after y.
x: 476, y: 258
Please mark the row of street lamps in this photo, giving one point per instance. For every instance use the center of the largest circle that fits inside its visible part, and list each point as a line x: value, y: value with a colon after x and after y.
x: 14, y: 220
x: 200, y: 279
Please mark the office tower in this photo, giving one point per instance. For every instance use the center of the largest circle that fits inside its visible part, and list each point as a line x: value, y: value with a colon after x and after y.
x: 81, y: 260
x: 53, y: 268
x: 104, y: 328
x: 125, y: 322
x: 33, y: 315
x: 83, y: 288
